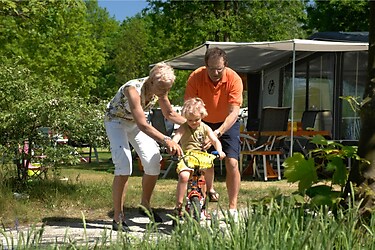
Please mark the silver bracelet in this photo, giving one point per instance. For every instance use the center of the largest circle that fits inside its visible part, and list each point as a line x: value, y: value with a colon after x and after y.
x: 165, y: 139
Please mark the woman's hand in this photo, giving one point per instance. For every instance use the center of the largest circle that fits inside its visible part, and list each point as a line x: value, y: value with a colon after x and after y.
x: 172, y: 147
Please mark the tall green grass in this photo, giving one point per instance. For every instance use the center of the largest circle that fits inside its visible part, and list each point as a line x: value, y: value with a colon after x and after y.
x: 275, y: 226
x: 266, y: 223
x: 264, y: 226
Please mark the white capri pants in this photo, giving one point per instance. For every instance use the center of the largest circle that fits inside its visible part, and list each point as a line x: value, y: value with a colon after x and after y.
x: 122, y: 132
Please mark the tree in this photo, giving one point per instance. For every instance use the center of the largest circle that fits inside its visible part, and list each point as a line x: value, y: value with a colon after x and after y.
x: 106, y: 30
x: 133, y: 50
x: 338, y: 15
x: 363, y: 175
x: 186, y: 24
x: 52, y: 38
x: 26, y: 110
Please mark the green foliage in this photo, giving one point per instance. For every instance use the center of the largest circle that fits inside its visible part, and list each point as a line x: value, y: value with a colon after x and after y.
x: 54, y: 39
x: 303, y: 171
x: 26, y: 109
x: 355, y: 102
x: 132, y: 51
x: 278, y: 226
x: 325, y: 163
x: 338, y: 15
x: 106, y: 31
x: 190, y: 23
x: 176, y: 95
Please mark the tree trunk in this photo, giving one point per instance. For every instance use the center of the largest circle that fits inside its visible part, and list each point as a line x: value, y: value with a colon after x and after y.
x: 363, y: 175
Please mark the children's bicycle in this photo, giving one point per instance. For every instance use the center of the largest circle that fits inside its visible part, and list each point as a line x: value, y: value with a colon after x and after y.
x: 195, y: 197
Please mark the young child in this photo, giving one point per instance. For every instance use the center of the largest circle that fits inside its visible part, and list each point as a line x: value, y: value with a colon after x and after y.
x: 192, y: 136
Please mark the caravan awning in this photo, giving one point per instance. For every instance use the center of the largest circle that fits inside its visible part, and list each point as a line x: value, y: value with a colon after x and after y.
x: 255, y: 56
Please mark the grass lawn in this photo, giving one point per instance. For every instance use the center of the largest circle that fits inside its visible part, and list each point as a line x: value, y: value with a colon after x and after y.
x: 86, y: 189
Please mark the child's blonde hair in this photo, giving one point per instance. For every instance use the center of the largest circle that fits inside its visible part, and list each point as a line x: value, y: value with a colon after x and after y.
x: 194, y: 106
x: 162, y: 73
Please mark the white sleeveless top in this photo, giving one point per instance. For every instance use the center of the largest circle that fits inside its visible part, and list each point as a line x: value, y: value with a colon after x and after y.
x: 119, y: 108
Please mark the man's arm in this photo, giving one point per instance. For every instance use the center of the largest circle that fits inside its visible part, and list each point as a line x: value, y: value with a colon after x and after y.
x: 215, y: 142
x: 235, y: 101
x: 229, y: 120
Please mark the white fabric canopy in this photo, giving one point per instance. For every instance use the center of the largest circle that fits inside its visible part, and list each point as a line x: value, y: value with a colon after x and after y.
x: 255, y: 56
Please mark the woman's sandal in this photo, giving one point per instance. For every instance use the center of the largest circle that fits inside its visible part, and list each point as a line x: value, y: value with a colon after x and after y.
x: 213, y: 196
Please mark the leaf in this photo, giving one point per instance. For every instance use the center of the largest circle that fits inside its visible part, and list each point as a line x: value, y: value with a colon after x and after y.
x: 349, y: 151
x: 298, y: 169
x: 299, y: 198
x: 319, y: 189
x: 322, y: 200
x: 340, y: 173
x: 319, y: 140
x: 325, y: 198
x: 322, y: 195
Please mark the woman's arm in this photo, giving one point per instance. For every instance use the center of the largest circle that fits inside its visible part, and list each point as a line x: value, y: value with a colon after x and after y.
x: 168, y: 111
x: 140, y: 118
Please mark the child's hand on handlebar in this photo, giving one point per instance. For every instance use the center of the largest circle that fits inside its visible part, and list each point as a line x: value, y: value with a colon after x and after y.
x: 221, y: 155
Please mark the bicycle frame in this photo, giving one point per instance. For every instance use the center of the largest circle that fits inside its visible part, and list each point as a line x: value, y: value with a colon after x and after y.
x: 195, y: 194
x: 195, y: 197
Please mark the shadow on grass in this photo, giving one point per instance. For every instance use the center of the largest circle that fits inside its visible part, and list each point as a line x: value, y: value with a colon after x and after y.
x: 106, y: 165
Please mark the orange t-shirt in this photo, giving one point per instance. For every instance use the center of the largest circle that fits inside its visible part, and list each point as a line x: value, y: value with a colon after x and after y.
x: 217, y: 98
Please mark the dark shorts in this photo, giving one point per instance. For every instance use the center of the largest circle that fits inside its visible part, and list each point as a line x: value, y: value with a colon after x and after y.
x: 230, y: 140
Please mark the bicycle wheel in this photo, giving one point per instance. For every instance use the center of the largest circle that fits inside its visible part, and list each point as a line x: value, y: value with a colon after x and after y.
x: 195, y: 208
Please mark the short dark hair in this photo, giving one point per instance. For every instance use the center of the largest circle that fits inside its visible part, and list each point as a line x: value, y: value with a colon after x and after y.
x: 216, y: 52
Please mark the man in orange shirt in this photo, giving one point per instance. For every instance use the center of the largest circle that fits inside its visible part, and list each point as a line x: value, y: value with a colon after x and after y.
x: 221, y: 88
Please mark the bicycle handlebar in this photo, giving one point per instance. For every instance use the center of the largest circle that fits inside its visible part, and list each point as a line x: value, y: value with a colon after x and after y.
x: 196, y: 158
x: 177, y: 158
x: 216, y: 153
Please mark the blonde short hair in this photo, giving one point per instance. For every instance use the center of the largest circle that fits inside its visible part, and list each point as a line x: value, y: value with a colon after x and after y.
x: 194, y: 106
x: 162, y: 73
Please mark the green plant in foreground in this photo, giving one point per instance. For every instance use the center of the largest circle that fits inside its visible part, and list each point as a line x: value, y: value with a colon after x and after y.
x: 279, y: 225
x: 325, y: 163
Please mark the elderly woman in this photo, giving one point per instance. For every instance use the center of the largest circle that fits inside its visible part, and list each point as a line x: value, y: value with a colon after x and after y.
x: 126, y: 123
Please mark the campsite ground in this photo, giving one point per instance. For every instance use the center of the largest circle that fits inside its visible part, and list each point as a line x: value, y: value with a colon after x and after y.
x: 88, y: 231
x: 78, y: 206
